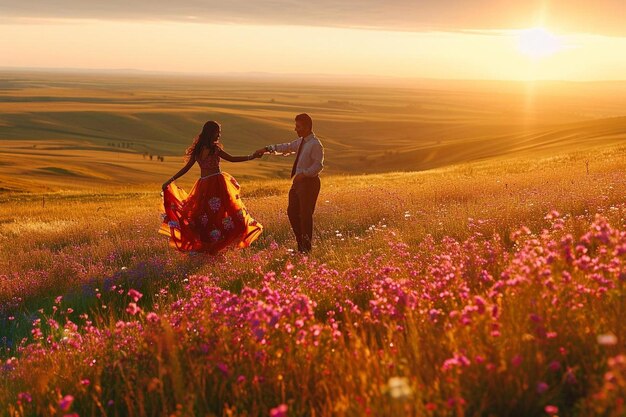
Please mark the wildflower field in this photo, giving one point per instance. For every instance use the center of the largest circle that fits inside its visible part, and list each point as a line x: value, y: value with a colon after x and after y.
x: 485, y: 289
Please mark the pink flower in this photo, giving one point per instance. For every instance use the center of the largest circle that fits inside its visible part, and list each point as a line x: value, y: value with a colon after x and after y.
x: 570, y: 376
x: 280, y: 411
x: 223, y: 368
x: 66, y: 402
x: 134, y: 294
x: 453, y: 402
x: 551, y: 409
x: 554, y: 366
x: 480, y: 303
x: 152, y: 317
x: 132, y: 309
x: 25, y: 396
x: 552, y: 215
x: 517, y: 360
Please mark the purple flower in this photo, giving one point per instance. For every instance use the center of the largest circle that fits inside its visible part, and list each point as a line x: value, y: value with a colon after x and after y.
x: 66, y: 402
x: 215, y: 203
x: 542, y: 387
x: 223, y: 368
x: 227, y: 223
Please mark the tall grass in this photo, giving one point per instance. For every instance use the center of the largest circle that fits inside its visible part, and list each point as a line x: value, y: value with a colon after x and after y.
x: 482, y: 289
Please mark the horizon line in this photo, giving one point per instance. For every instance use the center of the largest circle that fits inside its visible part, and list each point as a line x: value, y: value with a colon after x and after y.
x: 265, y: 74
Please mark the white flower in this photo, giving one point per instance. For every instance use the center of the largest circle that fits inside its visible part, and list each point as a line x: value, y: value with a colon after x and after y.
x: 399, y: 388
x: 607, y: 339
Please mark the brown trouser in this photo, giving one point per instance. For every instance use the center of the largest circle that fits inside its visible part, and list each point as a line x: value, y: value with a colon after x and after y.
x: 302, y: 198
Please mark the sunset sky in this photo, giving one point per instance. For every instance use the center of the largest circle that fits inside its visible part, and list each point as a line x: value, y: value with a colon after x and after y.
x: 479, y: 39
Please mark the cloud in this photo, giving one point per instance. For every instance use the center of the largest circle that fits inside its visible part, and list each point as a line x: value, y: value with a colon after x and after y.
x: 600, y: 17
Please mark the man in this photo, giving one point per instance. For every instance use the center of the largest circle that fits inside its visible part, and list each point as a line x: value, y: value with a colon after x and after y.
x: 306, y: 181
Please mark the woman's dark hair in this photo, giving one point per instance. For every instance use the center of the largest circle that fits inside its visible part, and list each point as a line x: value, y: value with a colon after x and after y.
x: 208, y: 138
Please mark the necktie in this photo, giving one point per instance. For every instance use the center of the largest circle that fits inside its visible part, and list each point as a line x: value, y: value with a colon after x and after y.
x: 295, y: 163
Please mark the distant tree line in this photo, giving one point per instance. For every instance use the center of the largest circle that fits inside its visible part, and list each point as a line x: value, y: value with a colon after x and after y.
x: 129, y: 145
x: 126, y: 145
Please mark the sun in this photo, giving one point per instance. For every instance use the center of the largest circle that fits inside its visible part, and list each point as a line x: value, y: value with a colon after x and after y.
x: 538, y: 43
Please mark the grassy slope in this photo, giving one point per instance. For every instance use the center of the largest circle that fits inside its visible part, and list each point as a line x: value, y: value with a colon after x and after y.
x: 365, y: 129
x: 72, y: 243
x: 506, y: 194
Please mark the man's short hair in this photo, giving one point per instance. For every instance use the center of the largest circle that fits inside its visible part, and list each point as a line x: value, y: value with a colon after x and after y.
x: 306, y: 119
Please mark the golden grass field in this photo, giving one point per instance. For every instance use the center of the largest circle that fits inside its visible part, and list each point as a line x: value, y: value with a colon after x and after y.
x: 70, y: 131
x: 439, y: 283
x: 438, y: 202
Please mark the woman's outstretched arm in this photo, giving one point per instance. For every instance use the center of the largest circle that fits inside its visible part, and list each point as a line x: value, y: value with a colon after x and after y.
x: 180, y: 173
x: 225, y: 155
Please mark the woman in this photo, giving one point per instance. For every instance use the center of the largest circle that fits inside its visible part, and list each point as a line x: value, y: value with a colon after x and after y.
x: 212, y: 216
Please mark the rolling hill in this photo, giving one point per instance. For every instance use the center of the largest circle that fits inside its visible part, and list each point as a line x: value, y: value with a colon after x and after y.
x: 72, y: 130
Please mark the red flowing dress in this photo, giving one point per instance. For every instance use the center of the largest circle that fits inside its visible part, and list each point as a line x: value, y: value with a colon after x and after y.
x: 211, y: 217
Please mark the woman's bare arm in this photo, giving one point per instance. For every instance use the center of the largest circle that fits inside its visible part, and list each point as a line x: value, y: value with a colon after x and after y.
x: 180, y: 173
x: 225, y: 155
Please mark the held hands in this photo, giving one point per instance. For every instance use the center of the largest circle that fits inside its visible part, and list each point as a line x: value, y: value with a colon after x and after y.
x: 265, y: 150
